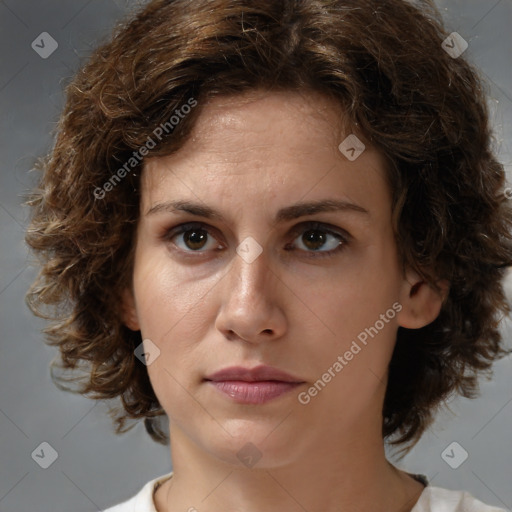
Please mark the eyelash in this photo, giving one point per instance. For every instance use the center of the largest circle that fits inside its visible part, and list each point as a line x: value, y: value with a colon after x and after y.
x: 300, y: 228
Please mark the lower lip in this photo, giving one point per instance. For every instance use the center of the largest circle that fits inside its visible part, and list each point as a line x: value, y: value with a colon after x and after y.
x: 259, y: 392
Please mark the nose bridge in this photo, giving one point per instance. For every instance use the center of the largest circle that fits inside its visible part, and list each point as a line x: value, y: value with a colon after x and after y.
x: 251, y: 274
x: 249, y: 308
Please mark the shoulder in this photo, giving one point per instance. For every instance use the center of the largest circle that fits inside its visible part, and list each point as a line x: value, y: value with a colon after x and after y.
x: 438, y: 499
x: 143, y: 500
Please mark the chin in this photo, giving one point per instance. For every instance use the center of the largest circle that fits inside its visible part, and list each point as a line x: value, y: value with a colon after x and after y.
x: 253, y: 444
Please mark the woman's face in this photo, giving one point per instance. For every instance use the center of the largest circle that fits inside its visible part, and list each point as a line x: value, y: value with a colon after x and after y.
x: 231, y: 269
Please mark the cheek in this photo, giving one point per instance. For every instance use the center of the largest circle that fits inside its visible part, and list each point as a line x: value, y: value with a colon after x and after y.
x: 357, y: 352
x: 171, y: 382
x: 357, y: 319
x: 169, y: 297
x: 175, y: 313
x: 355, y: 295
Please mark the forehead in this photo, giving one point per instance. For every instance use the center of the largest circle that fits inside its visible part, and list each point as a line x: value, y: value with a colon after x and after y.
x: 293, y: 116
x: 277, y: 145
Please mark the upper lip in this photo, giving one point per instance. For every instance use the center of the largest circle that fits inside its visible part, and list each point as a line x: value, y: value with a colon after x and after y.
x: 258, y: 373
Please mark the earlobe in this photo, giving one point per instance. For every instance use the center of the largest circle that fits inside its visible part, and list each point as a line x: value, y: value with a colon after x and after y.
x: 129, y: 311
x: 421, y: 303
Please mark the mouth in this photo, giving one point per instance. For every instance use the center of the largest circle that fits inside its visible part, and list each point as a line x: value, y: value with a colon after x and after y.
x: 256, y: 392
x: 253, y: 386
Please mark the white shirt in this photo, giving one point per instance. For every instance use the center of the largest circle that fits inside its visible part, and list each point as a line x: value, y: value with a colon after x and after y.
x: 432, y: 499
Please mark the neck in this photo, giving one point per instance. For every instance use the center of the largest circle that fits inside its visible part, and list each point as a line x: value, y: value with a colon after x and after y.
x: 352, y: 474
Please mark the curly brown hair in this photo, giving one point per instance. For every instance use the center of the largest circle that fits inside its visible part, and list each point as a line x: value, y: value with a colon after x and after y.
x: 384, y: 63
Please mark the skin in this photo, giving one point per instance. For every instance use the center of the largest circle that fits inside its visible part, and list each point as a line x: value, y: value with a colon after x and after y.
x: 206, y: 308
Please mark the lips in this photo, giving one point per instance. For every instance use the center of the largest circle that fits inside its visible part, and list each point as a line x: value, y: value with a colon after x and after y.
x: 253, y: 386
x: 259, y: 373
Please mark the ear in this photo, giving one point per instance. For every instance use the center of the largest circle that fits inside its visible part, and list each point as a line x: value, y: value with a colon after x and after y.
x: 421, y: 303
x: 129, y: 311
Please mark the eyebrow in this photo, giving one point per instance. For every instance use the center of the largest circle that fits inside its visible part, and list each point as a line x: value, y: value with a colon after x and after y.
x: 284, y: 214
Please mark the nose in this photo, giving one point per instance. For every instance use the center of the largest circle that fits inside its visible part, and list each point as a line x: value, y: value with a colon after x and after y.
x: 252, y: 298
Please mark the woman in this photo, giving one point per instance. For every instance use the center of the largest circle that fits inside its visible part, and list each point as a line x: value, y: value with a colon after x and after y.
x: 280, y: 223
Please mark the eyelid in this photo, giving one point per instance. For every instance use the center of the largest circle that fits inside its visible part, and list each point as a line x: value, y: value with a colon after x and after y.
x: 169, y: 234
x: 301, y: 227
x: 343, y: 237
x: 321, y: 226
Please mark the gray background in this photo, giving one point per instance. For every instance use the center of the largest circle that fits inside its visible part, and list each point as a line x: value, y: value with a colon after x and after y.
x: 95, y: 468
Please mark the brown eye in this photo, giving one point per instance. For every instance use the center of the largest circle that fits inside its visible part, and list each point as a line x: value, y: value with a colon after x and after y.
x: 192, y: 238
x: 195, y: 238
x: 316, y: 240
